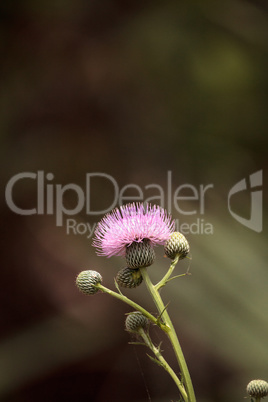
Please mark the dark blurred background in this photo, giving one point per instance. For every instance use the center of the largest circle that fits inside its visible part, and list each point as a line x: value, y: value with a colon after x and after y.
x: 133, y: 90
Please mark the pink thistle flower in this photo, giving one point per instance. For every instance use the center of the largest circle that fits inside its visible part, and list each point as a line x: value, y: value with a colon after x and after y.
x: 132, y: 223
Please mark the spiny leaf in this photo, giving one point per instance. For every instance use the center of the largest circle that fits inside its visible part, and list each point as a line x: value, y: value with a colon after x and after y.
x: 159, y: 347
x: 155, y: 360
x: 178, y: 276
x: 159, y: 317
x: 117, y: 287
x: 137, y: 343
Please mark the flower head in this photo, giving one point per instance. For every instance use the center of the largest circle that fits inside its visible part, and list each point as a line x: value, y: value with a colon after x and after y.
x: 257, y: 388
x: 132, y: 223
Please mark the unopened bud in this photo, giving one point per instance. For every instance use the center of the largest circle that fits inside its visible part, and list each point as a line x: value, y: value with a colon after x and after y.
x: 86, y: 281
x: 177, y: 244
x: 136, y: 321
x: 257, y: 388
x: 129, y: 278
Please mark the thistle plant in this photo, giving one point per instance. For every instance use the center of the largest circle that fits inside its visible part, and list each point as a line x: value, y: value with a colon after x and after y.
x: 258, y: 389
x: 132, y: 231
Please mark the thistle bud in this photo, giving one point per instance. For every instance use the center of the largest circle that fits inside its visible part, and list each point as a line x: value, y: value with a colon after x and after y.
x: 136, y: 321
x: 129, y: 278
x: 177, y: 244
x: 257, y: 388
x: 140, y: 254
x: 86, y: 281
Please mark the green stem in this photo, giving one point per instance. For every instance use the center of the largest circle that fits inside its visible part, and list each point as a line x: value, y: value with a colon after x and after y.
x: 161, y: 360
x: 164, y: 280
x: 136, y: 306
x: 171, y: 332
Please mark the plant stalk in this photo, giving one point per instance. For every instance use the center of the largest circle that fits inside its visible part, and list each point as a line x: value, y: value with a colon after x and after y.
x: 153, y: 290
x: 136, y: 306
x: 162, y: 362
